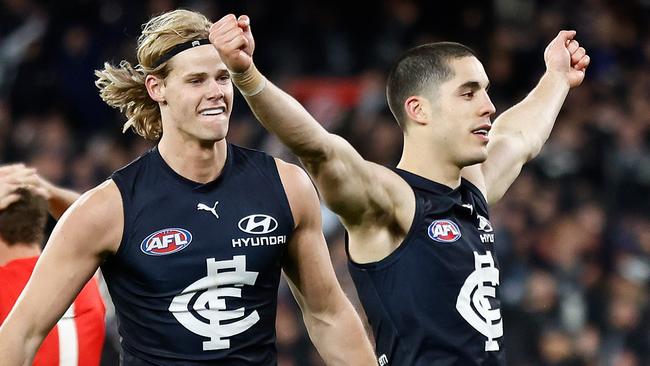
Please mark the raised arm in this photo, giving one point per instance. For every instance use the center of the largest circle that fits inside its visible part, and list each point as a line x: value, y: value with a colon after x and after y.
x: 351, y: 186
x: 59, y: 199
x: 518, y: 135
x: 333, y: 325
x: 90, y: 230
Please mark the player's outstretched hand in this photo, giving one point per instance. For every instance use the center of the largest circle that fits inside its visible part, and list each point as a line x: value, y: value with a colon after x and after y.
x: 565, y: 56
x: 232, y: 38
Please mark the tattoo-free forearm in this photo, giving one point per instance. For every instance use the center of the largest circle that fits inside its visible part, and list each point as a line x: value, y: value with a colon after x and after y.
x: 60, y: 200
x: 281, y: 114
x: 340, y: 337
x: 533, y: 118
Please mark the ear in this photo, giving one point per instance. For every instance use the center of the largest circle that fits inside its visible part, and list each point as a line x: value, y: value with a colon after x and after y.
x: 155, y: 88
x: 416, y: 108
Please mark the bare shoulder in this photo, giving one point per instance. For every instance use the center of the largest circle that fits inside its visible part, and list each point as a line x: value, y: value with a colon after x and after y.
x: 96, y: 216
x: 100, y: 201
x: 395, y: 185
x: 292, y: 176
x: 396, y: 207
x: 300, y: 191
x: 382, y: 230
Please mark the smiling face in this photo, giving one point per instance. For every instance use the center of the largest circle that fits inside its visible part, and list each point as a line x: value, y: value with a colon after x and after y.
x: 198, y: 96
x: 461, y: 110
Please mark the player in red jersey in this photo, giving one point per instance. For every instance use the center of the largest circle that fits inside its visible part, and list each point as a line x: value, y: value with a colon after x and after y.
x: 78, y: 336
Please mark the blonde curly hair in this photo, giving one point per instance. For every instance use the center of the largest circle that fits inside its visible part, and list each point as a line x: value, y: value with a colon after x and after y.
x: 123, y: 86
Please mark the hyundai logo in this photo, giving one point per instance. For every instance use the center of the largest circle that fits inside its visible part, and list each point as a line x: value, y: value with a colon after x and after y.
x: 258, y: 224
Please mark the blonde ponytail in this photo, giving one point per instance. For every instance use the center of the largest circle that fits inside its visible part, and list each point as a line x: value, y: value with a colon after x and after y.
x: 123, y: 88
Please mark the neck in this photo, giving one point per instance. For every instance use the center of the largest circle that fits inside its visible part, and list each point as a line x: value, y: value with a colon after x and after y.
x: 427, y: 161
x: 196, y: 161
x: 17, y: 251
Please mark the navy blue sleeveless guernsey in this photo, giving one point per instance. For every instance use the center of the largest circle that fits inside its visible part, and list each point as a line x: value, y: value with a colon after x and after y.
x: 195, y: 279
x: 434, y: 301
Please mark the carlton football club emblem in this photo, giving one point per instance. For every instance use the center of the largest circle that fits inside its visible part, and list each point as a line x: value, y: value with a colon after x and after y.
x: 207, y: 297
x: 444, y: 231
x: 473, y: 302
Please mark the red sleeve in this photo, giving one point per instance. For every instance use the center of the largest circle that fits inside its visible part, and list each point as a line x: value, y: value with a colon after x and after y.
x: 80, y: 332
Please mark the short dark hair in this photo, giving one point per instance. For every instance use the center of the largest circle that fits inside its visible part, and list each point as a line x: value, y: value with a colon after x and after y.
x: 418, y: 69
x: 24, y: 220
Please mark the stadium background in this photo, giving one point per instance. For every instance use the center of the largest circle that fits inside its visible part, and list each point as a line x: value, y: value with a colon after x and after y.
x: 573, y: 231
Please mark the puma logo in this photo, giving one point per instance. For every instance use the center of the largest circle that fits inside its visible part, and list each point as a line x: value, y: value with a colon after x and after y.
x: 204, y: 207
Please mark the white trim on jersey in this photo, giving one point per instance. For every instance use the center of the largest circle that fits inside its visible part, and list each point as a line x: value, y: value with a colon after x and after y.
x: 68, y: 340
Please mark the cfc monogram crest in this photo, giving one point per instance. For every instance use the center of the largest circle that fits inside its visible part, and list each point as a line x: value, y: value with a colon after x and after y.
x: 224, y: 279
x: 473, y: 300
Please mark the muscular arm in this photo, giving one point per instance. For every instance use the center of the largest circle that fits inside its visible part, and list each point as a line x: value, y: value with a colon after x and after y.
x: 355, y: 189
x: 351, y: 186
x: 518, y: 136
x: 520, y: 132
x: 330, y: 318
x: 86, y: 233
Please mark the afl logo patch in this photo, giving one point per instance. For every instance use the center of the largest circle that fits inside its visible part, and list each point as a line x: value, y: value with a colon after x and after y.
x: 258, y: 224
x: 166, y: 241
x: 444, y: 231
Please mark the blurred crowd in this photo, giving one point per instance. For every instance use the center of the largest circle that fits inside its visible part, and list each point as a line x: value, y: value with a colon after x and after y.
x: 573, y: 232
